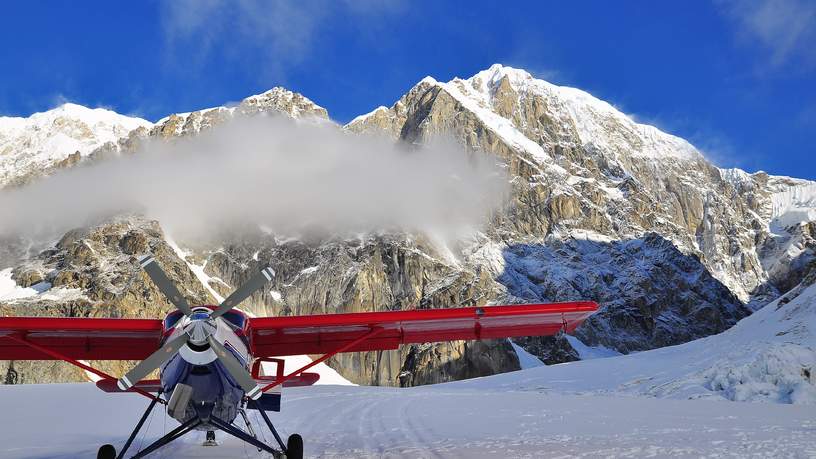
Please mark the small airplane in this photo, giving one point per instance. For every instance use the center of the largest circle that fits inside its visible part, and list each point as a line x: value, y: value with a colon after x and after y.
x: 210, y: 357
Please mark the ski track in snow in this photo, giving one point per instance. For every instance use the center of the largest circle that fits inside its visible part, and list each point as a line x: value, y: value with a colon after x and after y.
x: 443, y: 421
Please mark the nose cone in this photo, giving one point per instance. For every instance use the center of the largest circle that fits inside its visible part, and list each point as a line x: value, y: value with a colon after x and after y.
x: 200, y: 328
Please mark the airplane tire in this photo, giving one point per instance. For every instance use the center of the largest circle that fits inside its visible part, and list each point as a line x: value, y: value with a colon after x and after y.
x: 106, y: 452
x: 294, y: 447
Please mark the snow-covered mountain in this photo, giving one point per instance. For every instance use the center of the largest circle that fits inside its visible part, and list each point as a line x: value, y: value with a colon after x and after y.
x: 769, y: 356
x: 607, y: 173
x: 276, y: 100
x: 602, y: 208
x: 63, y: 137
x: 58, y: 138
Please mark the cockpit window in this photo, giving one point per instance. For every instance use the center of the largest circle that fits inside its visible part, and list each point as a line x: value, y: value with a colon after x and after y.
x: 235, y: 318
x: 172, y: 319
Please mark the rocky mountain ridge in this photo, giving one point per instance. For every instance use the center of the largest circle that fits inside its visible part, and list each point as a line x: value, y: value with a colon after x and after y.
x: 69, y: 134
x: 609, y: 174
x: 602, y: 208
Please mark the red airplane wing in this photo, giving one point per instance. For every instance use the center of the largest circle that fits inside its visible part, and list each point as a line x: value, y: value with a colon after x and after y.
x: 135, y: 339
x: 79, y: 338
x: 320, y: 334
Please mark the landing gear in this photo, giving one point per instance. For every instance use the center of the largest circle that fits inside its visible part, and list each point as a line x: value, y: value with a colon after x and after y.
x: 248, y: 425
x: 210, y: 440
x: 106, y: 452
x: 294, y: 447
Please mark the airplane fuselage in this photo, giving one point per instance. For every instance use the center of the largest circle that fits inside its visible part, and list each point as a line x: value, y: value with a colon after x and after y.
x: 196, y: 365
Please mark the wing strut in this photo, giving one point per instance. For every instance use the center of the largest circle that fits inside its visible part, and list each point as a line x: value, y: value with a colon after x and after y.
x: 369, y: 334
x: 79, y: 364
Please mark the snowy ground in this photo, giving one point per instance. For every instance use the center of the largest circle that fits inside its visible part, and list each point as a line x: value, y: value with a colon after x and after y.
x: 674, y: 401
x: 769, y: 357
x: 72, y: 420
x: 667, y: 402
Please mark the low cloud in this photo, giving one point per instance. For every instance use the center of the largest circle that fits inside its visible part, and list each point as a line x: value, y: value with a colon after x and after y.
x: 267, y: 172
x: 785, y: 29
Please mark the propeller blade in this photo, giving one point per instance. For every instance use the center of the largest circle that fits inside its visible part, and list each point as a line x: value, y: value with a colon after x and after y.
x: 235, y: 369
x: 155, y: 360
x: 164, y: 284
x: 257, y: 281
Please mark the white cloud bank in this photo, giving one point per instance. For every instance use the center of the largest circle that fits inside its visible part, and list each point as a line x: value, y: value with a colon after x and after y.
x: 271, y: 172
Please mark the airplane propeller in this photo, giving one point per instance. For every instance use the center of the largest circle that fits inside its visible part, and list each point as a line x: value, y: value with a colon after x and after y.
x: 243, y: 292
x: 199, y: 329
x: 161, y: 281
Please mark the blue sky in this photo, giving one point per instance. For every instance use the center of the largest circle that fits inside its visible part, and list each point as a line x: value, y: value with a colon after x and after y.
x: 737, y: 78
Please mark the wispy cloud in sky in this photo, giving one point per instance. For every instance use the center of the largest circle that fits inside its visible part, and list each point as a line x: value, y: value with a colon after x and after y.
x: 274, y: 35
x: 785, y: 29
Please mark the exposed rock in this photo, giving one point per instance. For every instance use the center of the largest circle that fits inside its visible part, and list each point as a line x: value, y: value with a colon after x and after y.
x: 363, y: 274
x: 427, y: 364
x: 277, y: 101
x: 602, y: 208
x: 651, y: 294
x: 91, y: 276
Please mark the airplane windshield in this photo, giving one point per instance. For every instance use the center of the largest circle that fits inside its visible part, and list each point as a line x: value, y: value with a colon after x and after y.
x: 172, y: 319
x: 235, y: 318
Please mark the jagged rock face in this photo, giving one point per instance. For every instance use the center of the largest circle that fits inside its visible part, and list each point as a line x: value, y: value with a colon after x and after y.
x: 789, y: 254
x: 277, y: 101
x: 601, y: 208
x: 430, y: 364
x: 92, y: 272
x: 582, y: 165
x: 99, y: 267
x: 652, y: 295
x: 380, y: 273
x: 584, y: 169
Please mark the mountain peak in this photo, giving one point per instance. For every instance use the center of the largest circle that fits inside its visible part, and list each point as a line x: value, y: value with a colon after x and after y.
x: 283, y: 100
x: 428, y: 79
x: 496, y: 72
x: 277, y: 100
x: 61, y: 135
x: 76, y: 112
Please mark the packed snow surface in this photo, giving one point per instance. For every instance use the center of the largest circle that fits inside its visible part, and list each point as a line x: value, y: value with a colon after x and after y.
x: 680, y: 407
x: 770, y: 356
x: 444, y: 421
